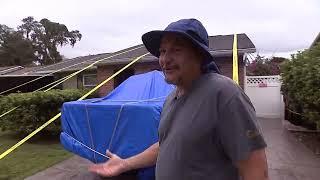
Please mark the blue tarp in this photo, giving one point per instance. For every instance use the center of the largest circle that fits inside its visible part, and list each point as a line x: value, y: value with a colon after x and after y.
x: 125, y: 121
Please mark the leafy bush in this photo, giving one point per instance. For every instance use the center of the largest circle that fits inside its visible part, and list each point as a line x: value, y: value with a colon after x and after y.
x: 35, y: 109
x: 301, y: 85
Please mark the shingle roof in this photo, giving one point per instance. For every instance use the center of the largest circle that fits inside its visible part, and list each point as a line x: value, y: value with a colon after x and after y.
x: 225, y: 42
x: 73, y: 64
x: 23, y: 71
x: 8, y: 69
x: 220, y: 45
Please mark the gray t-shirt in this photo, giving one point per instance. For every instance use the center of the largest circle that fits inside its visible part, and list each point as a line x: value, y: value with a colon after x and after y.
x: 203, y: 133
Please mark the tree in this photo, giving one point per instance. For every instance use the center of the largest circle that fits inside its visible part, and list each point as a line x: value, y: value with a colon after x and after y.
x: 262, y: 66
x: 46, y: 36
x: 35, y: 42
x: 14, y: 48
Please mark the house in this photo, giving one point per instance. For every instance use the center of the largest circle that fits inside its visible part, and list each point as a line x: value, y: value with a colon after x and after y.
x: 316, y: 40
x: 11, y: 77
x: 220, y: 47
x: 83, y: 80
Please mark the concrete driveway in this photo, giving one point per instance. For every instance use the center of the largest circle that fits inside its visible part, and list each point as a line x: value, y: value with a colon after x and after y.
x: 288, y: 159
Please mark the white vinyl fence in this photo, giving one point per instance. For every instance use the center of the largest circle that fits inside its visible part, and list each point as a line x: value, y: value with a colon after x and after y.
x: 264, y: 93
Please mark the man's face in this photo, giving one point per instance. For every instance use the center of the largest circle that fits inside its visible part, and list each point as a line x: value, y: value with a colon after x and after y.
x: 178, y: 59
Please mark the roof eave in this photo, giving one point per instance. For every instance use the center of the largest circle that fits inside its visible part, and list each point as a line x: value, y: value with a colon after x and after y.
x: 126, y: 62
x: 76, y: 69
x: 228, y: 52
x: 315, y: 41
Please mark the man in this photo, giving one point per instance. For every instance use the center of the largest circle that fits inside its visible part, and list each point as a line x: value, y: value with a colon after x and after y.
x: 208, y: 125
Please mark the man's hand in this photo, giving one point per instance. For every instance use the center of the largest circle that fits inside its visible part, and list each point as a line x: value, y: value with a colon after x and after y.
x: 113, y: 167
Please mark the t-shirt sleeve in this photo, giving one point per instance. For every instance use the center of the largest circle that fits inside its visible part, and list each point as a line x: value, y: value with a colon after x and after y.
x: 238, y: 130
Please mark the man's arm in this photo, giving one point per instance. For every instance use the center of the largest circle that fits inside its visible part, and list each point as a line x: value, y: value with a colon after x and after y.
x: 145, y: 159
x: 116, y: 165
x: 255, y: 167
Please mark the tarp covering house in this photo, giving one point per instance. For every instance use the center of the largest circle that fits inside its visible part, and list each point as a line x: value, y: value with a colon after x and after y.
x: 125, y: 121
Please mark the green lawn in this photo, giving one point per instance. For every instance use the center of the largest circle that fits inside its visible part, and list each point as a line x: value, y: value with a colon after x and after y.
x: 30, y: 157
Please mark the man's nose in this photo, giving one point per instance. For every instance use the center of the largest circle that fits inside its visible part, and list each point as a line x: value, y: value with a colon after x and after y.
x: 166, y: 57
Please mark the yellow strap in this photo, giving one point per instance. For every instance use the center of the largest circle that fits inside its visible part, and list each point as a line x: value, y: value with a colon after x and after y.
x: 59, y: 81
x: 9, y: 111
x: 235, y: 74
x: 53, y: 84
x: 77, y: 72
x: 58, y: 115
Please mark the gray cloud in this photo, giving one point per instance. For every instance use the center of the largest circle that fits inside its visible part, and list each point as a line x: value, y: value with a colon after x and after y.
x: 275, y: 26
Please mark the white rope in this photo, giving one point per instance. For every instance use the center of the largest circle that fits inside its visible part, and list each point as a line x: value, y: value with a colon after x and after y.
x: 90, y: 132
x: 115, y: 127
x: 87, y: 146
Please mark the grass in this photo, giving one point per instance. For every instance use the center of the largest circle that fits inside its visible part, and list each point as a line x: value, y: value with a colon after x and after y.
x: 30, y: 157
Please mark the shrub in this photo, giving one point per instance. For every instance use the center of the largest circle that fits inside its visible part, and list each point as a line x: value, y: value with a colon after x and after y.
x: 301, y: 85
x: 35, y: 109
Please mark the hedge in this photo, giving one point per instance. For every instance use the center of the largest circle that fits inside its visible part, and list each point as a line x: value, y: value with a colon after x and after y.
x: 35, y: 108
x: 301, y: 86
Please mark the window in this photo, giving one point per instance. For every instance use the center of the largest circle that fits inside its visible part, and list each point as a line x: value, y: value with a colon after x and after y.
x: 89, y: 80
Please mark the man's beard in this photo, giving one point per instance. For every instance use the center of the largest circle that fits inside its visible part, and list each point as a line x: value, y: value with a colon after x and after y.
x: 174, y: 82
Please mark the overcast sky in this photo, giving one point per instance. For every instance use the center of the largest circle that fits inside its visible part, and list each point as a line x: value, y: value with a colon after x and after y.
x: 276, y: 27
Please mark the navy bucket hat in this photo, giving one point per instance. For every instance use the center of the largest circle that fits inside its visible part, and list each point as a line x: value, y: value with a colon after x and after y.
x: 191, y: 29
